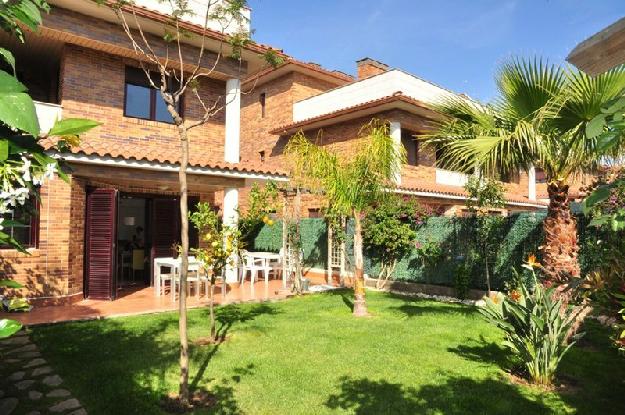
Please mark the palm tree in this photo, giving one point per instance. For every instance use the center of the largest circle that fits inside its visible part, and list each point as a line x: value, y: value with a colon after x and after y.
x: 350, y: 184
x: 539, y: 118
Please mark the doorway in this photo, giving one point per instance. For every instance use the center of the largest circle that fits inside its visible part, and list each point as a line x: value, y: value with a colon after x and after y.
x: 124, y: 233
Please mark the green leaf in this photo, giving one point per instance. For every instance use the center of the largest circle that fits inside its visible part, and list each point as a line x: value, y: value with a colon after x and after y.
x: 595, y: 126
x: 9, y: 83
x: 10, y: 284
x: 17, y: 110
x: 72, y: 126
x: 8, y: 58
x: 9, y: 327
x: 599, y: 195
x: 4, y: 149
x: 28, y: 13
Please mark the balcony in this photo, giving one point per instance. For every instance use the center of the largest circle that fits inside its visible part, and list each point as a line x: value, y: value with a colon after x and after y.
x: 198, y: 16
x: 47, y: 114
x: 451, y: 178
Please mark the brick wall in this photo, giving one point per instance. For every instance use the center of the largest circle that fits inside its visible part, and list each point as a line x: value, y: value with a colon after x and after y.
x: 92, y: 86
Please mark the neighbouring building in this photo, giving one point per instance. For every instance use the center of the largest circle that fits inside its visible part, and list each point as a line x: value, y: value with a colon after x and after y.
x: 334, y: 106
x: 123, y: 186
x: 602, y: 51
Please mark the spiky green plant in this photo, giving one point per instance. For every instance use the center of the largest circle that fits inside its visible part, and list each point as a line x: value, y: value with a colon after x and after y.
x: 536, y: 328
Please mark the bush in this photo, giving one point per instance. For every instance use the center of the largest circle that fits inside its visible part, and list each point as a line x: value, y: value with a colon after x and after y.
x: 536, y: 328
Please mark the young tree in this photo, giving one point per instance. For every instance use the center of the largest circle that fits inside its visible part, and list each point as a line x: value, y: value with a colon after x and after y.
x: 350, y: 185
x: 219, y: 244
x: 484, y: 195
x: 538, y: 119
x: 24, y: 163
x: 178, y: 75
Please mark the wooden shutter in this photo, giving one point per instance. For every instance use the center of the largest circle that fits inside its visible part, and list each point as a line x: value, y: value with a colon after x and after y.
x: 165, y: 231
x: 100, y: 240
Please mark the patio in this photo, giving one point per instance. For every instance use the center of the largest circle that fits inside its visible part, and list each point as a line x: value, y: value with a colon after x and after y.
x: 135, y: 301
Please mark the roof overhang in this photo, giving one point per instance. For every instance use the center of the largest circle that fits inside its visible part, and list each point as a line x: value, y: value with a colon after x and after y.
x: 291, y: 65
x: 602, y: 51
x: 167, y: 167
x: 459, y: 197
x: 396, y: 101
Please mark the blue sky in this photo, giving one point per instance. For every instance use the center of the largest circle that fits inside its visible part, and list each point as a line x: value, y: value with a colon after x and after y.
x: 456, y: 44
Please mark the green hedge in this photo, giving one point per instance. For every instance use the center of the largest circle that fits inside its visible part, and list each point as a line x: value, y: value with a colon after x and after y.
x: 521, y: 235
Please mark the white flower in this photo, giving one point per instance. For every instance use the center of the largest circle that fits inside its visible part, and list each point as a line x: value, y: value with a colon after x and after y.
x: 26, y: 176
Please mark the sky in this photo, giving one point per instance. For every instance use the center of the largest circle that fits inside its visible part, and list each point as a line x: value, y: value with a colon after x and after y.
x: 455, y: 44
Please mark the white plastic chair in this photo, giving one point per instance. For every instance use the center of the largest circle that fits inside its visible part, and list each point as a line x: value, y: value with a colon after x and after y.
x: 276, y: 264
x: 254, y: 265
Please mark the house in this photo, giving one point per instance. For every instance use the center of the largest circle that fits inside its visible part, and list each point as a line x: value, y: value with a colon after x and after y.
x: 334, y: 106
x: 123, y: 186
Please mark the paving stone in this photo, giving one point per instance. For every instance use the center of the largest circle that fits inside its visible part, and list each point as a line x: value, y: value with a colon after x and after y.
x: 24, y: 384
x: 7, y: 405
x: 17, y: 376
x: 34, y: 395
x: 1, y: 393
x: 81, y: 411
x: 26, y: 348
x: 35, y: 362
x: 58, y: 393
x: 12, y: 360
x: 30, y: 355
x: 43, y: 370
x: 54, y: 380
x: 15, y: 341
x: 65, y: 405
x: 34, y: 413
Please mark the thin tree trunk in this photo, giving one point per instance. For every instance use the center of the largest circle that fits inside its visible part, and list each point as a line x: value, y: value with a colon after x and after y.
x: 560, y: 228
x: 360, y: 304
x: 487, y: 275
x: 184, y: 240
x: 211, y: 308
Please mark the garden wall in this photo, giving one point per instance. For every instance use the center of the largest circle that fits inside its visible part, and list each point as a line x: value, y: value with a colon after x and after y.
x: 521, y: 235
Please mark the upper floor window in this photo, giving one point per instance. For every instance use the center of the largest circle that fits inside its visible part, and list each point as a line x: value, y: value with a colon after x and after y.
x: 27, y: 232
x: 541, y: 177
x: 262, y: 99
x: 261, y: 154
x: 144, y: 101
x: 412, y: 148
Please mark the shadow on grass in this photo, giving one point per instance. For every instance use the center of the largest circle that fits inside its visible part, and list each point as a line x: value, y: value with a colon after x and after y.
x: 346, y: 294
x: 415, y: 307
x: 458, y: 395
x: 126, y: 366
x: 483, y: 351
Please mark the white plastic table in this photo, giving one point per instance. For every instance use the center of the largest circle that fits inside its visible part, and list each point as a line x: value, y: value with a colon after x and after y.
x: 266, y: 258
x: 174, y: 264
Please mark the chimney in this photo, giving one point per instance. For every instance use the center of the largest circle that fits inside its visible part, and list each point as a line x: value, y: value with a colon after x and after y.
x: 368, y: 67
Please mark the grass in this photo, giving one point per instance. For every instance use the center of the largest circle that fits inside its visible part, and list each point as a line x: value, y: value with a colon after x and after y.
x: 309, y: 355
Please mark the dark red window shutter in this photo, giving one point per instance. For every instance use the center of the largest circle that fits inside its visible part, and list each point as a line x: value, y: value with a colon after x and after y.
x: 166, y: 230
x: 100, y: 240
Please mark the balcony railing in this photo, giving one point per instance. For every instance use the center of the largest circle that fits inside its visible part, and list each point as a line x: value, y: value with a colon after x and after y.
x: 451, y: 178
x: 47, y: 114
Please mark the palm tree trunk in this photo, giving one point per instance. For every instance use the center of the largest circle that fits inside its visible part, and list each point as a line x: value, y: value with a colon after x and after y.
x: 360, y: 304
x: 560, y: 247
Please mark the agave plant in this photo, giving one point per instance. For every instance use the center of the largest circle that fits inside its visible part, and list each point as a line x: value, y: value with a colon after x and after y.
x: 536, y: 328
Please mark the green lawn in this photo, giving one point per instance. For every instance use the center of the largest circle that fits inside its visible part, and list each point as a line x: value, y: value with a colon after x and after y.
x: 310, y: 356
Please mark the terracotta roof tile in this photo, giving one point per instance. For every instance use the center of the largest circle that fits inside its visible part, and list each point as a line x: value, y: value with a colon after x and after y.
x: 396, y: 97
x: 196, y: 158
x: 458, y: 191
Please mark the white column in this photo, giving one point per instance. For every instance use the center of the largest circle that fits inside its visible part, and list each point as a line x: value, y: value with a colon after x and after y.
x: 233, y: 120
x: 231, y: 218
x: 531, y: 183
x: 396, y: 136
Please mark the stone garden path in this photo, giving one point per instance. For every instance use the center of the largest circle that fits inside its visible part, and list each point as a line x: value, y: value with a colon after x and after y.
x: 28, y: 385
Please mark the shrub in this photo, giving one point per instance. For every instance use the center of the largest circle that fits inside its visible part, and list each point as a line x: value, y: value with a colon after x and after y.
x: 536, y: 328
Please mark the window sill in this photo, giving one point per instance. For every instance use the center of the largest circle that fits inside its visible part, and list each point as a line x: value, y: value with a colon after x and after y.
x: 150, y: 123
x: 14, y: 253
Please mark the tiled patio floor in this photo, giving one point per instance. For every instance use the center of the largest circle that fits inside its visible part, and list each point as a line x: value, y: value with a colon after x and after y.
x: 133, y: 301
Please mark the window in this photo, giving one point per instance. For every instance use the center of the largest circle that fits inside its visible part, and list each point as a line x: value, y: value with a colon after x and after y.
x: 143, y: 101
x: 314, y: 213
x: 262, y: 156
x: 541, y: 177
x: 27, y: 234
x: 262, y: 98
x: 412, y: 148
